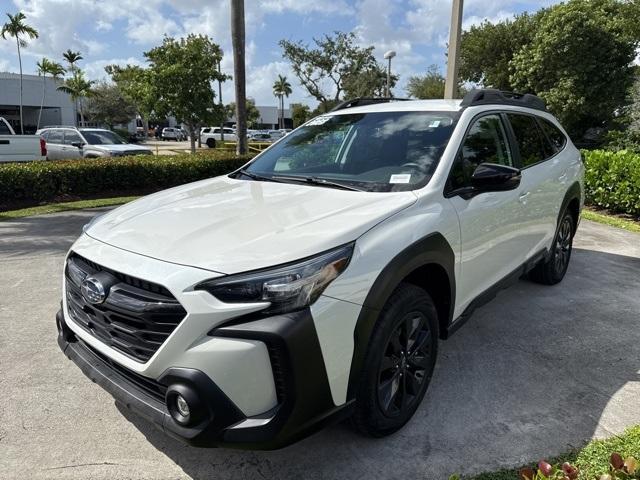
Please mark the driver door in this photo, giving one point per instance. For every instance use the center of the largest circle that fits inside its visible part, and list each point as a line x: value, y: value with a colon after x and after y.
x: 490, y: 222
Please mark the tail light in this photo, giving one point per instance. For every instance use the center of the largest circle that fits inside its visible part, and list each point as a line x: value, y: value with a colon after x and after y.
x: 43, y: 147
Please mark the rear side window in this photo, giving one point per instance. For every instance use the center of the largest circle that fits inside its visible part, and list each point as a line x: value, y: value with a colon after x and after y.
x: 4, y: 130
x: 555, y: 136
x: 532, y: 144
x: 72, y: 137
x: 55, y: 136
x: 486, y: 142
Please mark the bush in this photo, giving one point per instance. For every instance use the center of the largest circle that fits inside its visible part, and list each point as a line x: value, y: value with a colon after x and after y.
x: 612, y: 180
x: 32, y: 183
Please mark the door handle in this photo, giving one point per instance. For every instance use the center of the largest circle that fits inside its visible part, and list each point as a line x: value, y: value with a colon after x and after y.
x: 523, y: 197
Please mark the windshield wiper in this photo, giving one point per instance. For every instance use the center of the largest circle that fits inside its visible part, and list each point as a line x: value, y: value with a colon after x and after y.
x: 317, y: 181
x: 255, y: 176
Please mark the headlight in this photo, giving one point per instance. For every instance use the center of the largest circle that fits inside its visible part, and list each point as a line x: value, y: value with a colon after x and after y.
x: 287, y: 288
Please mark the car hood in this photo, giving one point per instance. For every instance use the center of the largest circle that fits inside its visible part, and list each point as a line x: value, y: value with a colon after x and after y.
x: 229, y: 226
x: 127, y: 147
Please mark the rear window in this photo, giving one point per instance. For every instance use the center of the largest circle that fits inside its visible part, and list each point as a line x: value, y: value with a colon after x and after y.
x: 532, y: 144
x: 555, y: 136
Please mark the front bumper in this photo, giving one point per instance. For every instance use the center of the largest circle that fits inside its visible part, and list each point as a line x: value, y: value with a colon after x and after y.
x: 304, y: 404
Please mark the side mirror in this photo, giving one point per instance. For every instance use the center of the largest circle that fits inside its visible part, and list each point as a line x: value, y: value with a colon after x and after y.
x: 491, y: 177
x: 77, y: 144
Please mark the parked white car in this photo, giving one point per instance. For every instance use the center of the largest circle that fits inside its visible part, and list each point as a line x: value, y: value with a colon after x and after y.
x: 173, y: 133
x: 314, y: 283
x: 210, y: 136
x: 20, y: 148
x: 72, y: 142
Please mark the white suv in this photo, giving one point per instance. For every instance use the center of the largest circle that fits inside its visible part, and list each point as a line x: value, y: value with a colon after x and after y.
x: 315, y: 282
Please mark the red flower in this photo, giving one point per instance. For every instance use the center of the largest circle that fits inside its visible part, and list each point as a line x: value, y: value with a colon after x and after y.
x: 527, y: 474
x: 616, y: 461
x: 545, y: 468
x: 570, y: 471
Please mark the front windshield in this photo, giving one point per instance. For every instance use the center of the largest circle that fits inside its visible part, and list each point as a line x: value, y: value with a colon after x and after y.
x: 102, y: 137
x: 381, y: 151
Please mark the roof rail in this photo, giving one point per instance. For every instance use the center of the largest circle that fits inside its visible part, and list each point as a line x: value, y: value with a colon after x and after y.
x: 57, y: 126
x: 491, y: 96
x: 360, y: 101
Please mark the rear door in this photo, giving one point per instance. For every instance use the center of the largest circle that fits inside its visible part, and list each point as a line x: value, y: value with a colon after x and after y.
x: 543, y: 180
x: 55, y: 144
x: 490, y: 222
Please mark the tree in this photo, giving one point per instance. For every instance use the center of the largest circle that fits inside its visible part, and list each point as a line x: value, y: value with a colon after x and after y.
x: 72, y: 58
x: 238, y: 42
x: 371, y: 81
x: 576, y: 55
x: 109, y: 106
x: 137, y: 87
x: 78, y: 88
x: 281, y: 89
x: 17, y: 28
x: 300, y: 113
x: 46, y: 66
x: 431, y: 85
x: 252, y: 113
x: 182, y: 72
x: 334, y: 60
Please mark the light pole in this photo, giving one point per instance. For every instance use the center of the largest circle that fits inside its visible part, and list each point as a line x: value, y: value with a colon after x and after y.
x: 221, y: 104
x: 451, y: 83
x: 388, y: 56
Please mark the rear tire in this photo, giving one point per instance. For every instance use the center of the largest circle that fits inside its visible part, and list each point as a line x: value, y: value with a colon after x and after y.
x: 211, y: 143
x: 399, y: 362
x: 552, y: 270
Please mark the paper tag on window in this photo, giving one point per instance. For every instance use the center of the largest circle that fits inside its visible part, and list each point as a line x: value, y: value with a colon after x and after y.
x: 400, y: 178
x: 319, y: 120
x: 434, y: 124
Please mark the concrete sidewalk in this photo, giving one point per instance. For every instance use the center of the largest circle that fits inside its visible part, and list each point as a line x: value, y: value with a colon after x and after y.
x: 533, y: 373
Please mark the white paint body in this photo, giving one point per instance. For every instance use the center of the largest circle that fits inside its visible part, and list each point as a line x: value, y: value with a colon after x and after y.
x: 18, y: 148
x: 188, y: 234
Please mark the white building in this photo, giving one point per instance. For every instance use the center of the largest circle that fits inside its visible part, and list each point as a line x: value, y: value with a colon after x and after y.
x: 58, y: 107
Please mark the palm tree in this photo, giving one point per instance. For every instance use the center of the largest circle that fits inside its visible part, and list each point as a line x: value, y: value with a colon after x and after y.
x: 281, y: 89
x: 237, y: 40
x: 72, y: 58
x: 16, y: 27
x: 46, y: 66
x: 78, y: 87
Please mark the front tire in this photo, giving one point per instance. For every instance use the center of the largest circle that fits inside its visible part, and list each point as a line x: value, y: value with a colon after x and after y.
x: 552, y: 270
x: 399, y: 362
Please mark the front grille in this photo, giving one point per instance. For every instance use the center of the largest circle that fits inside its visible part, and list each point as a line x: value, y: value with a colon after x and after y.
x: 148, y: 385
x: 136, y: 317
x: 278, y: 368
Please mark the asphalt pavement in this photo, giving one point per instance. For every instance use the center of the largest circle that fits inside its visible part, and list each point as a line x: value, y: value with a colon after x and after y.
x: 535, y: 372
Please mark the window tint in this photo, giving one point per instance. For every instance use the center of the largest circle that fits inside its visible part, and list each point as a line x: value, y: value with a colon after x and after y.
x: 555, y: 136
x: 55, y: 136
x: 72, y: 137
x: 533, y: 146
x: 4, y: 130
x: 486, y: 142
x: 206, y: 130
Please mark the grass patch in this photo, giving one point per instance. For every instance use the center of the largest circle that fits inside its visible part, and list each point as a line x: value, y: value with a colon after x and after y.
x: 592, y: 460
x: 64, y: 207
x: 611, y: 220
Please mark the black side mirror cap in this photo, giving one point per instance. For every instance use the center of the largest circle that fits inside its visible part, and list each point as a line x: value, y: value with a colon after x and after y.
x: 77, y: 144
x: 492, y: 177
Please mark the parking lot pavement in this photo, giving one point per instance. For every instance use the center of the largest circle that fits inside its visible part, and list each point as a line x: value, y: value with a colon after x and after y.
x: 535, y: 372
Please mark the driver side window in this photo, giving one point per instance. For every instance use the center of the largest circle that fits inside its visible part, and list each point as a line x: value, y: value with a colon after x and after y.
x: 486, y: 142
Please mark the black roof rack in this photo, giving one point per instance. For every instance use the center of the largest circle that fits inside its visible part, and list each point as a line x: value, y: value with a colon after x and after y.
x: 360, y: 101
x: 490, y: 96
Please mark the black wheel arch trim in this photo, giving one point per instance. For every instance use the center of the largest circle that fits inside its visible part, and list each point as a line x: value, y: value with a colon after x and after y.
x: 431, y: 249
x: 574, y: 192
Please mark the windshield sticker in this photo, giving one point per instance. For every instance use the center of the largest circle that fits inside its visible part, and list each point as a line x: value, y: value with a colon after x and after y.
x: 434, y: 124
x: 319, y: 120
x: 400, y: 178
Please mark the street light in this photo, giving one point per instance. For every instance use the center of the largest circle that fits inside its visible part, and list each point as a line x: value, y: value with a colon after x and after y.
x: 388, y: 56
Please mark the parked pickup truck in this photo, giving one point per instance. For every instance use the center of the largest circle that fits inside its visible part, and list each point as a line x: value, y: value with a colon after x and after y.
x: 20, y: 148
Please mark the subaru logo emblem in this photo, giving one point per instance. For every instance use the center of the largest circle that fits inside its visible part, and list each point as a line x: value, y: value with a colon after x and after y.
x: 93, y: 291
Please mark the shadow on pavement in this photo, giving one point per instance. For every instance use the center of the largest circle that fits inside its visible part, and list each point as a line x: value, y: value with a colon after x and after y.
x: 532, y: 374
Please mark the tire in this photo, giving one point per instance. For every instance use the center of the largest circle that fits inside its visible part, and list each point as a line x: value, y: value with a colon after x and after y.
x: 552, y: 270
x: 211, y: 143
x: 393, y: 364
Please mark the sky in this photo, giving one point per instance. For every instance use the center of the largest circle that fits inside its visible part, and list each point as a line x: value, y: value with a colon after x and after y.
x: 120, y: 31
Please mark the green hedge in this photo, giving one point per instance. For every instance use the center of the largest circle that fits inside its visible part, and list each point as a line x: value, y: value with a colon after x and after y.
x: 612, y: 180
x: 36, y: 182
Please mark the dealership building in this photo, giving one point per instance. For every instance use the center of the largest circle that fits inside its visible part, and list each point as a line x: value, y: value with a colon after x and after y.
x: 58, y: 107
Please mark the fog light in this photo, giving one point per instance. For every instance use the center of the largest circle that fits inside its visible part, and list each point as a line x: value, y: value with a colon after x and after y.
x: 183, y: 406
